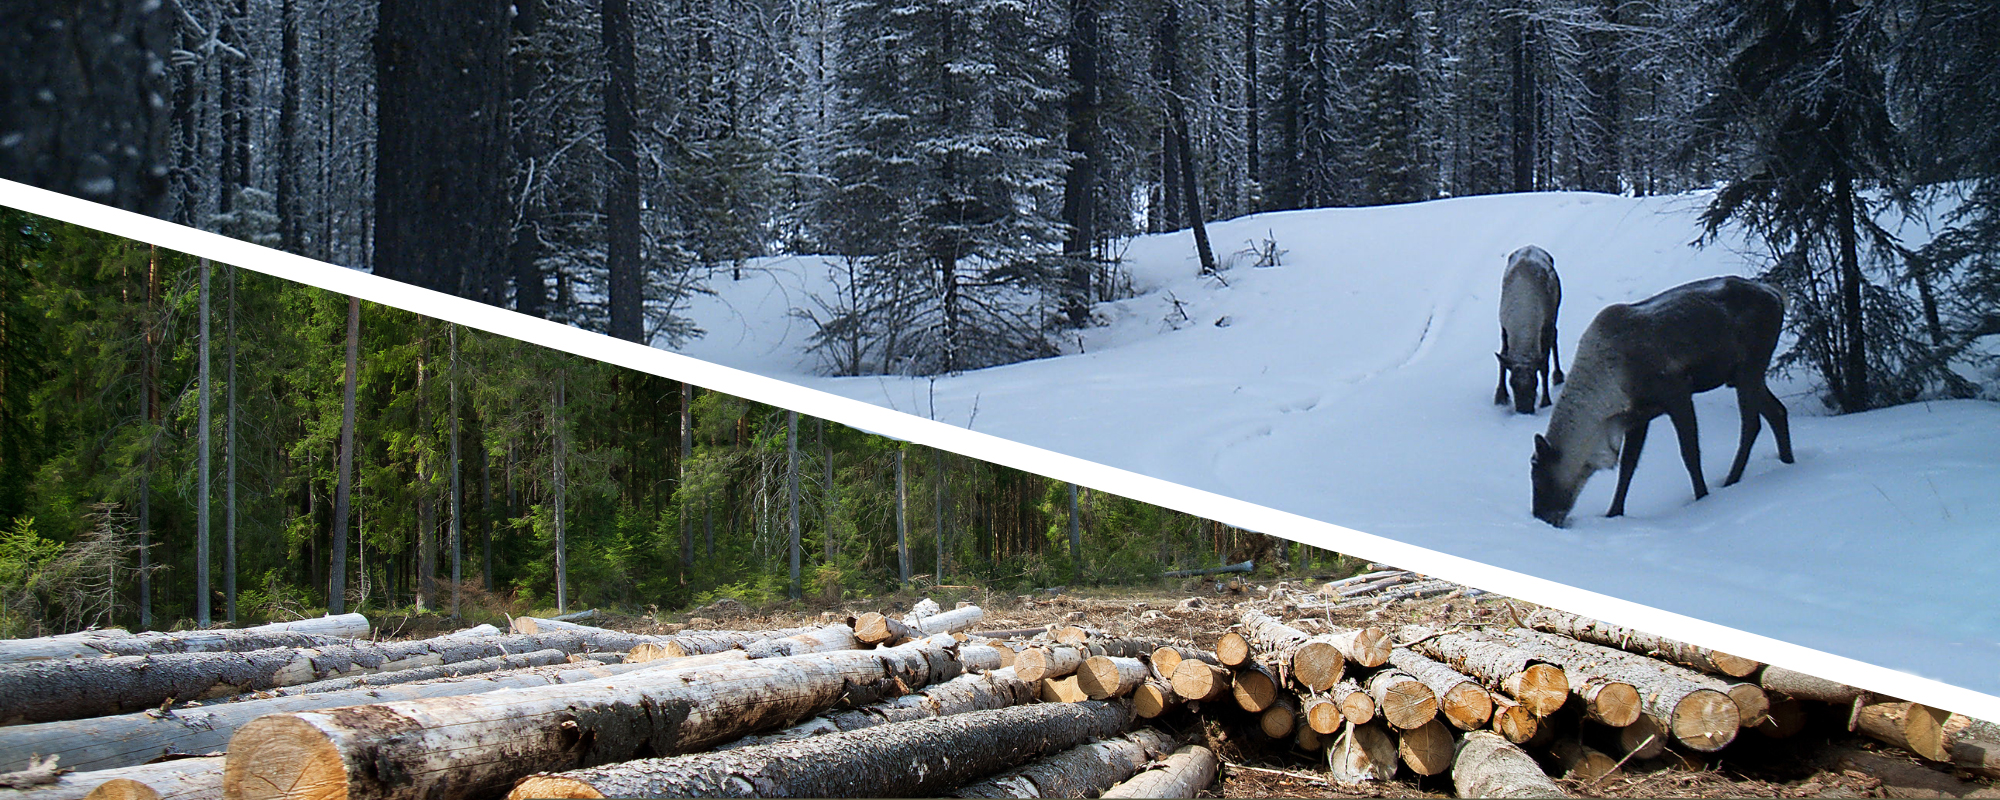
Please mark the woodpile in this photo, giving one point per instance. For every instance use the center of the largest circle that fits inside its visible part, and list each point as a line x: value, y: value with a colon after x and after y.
x: 916, y: 705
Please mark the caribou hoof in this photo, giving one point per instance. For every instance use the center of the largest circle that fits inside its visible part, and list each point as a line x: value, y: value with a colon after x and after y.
x: 1545, y: 401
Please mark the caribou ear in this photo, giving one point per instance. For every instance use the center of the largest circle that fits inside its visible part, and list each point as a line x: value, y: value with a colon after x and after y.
x: 1544, y: 450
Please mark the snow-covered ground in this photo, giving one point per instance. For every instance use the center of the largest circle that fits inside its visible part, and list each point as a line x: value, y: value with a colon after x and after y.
x: 1354, y: 384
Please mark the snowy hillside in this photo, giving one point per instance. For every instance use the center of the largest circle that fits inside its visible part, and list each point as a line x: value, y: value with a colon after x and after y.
x: 1354, y: 384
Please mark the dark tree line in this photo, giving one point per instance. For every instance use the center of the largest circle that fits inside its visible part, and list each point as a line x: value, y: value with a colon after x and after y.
x: 970, y: 165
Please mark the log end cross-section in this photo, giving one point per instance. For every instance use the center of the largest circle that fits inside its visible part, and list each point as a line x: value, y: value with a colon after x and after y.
x: 284, y: 756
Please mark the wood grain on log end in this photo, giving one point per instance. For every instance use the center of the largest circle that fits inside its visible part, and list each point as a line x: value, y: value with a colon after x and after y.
x: 1062, y: 690
x: 648, y: 651
x: 1705, y: 720
x: 1733, y: 666
x: 283, y: 756
x: 1372, y: 647
x: 1324, y: 715
x: 122, y: 789
x: 1404, y: 701
x: 1196, y: 680
x: 1614, y: 703
x: 1467, y: 707
x: 556, y: 787
x: 1318, y: 665
x: 1514, y: 722
x: 1232, y: 649
x: 1153, y: 698
x: 1254, y: 690
x: 1426, y: 749
x: 1105, y: 677
x: 1165, y: 660
x: 1542, y: 688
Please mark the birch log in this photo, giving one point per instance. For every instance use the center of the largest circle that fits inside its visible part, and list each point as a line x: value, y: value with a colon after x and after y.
x: 1490, y: 766
x: 1363, y: 753
x: 1540, y: 686
x: 1464, y: 703
x: 461, y: 747
x: 920, y: 758
x: 179, y: 779
x: 1186, y: 773
x: 1585, y: 629
x: 1082, y: 771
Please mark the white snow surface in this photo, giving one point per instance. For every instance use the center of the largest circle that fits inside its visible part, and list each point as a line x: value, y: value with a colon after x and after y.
x: 1354, y: 385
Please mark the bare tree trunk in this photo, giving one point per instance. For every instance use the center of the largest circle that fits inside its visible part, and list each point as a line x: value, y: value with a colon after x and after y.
x: 457, y: 506
x: 485, y: 518
x: 148, y: 408
x: 1075, y: 537
x: 687, y: 454
x: 1177, y: 135
x: 621, y: 199
x: 336, y: 598
x: 792, y: 489
x: 937, y: 460
x: 229, y: 510
x: 561, y: 488
x: 201, y: 558
x: 827, y: 498
x: 1858, y: 394
x: 902, y: 522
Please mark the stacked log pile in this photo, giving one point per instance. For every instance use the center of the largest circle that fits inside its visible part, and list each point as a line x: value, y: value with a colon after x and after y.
x: 918, y: 704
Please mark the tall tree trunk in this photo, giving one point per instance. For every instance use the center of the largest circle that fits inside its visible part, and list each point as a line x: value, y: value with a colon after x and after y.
x: 938, y: 461
x: 290, y: 91
x: 441, y: 167
x: 336, y: 599
x: 524, y: 246
x: 792, y: 488
x: 621, y: 200
x: 827, y: 499
x: 561, y: 489
x: 426, y: 511
x: 1080, y: 185
x: 1854, y: 358
x: 687, y: 454
x: 1521, y: 103
x: 149, y: 404
x: 457, y: 506
x: 1177, y: 135
x: 1250, y: 91
x: 229, y: 509
x: 1075, y: 537
x: 201, y: 558
x: 902, y: 523
x: 83, y: 109
x: 485, y: 518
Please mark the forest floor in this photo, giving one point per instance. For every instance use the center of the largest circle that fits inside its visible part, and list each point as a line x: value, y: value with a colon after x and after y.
x: 1754, y: 766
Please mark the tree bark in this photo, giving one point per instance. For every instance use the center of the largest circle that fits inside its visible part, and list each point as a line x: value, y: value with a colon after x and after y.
x: 875, y: 628
x: 694, y: 644
x: 902, y: 524
x: 1154, y: 697
x: 1186, y: 773
x: 982, y: 691
x: 1800, y: 686
x: 472, y: 746
x: 457, y: 497
x: 1537, y: 684
x: 1912, y: 726
x: 1075, y: 536
x: 336, y: 596
x: 202, y: 599
x: 1464, y: 703
x: 311, y: 632
x: 824, y: 639
x: 1585, y: 629
x: 1404, y: 701
x: 84, y: 113
x: 132, y: 739
x: 1364, y: 752
x: 229, y: 480
x: 1489, y: 766
x: 1702, y: 718
x: 1106, y: 677
x: 1367, y: 647
x: 560, y: 490
x: 179, y: 779
x: 1081, y: 771
x: 621, y: 195
x: 457, y: 669
x: 918, y: 758
x: 1200, y: 681
x: 1356, y: 705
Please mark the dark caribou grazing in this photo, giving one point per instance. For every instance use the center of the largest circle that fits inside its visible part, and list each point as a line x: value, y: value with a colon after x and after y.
x: 1640, y: 360
x: 1530, y: 295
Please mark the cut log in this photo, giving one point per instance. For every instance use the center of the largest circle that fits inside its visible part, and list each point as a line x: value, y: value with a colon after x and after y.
x: 1323, y: 714
x: 1082, y: 771
x: 1255, y: 687
x: 1579, y: 762
x: 1783, y: 720
x: 1363, y: 753
x: 1611, y: 702
x: 919, y: 758
x: 132, y: 739
x: 315, y: 632
x: 1233, y: 649
x: 1186, y: 773
x: 1977, y: 756
x: 1405, y: 702
x: 1645, y: 738
x: 1105, y: 677
x: 1367, y: 647
x: 180, y: 779
x: 539, y: 658
x: 1427, y: 749
x: 876, y: 628
x: 1200, y: 681
x: 1540, y: 686
x: 1062, y: 690
x: 475, y: 632
x: 983, y: 657
x: 1490, y: 766
x: 470, y: 746
x: 1280, y: 718
x: 1594, y: 631
x: 825, y: 639
x: 1912, y: 726
x: 42, y: 691
x: 1013, y: 633
x: 534, y: 625
x: 1167, y: 658
x: 1355, y: 704
x: 1269, y: 634
x: 957, y: 620
x: 1701, y: 718
x: 1154, y: 698
x: 1245, y: 566
x: 1330, y: 588
x: 1053, y: 661
x: 696, y: 643
x: 1074, y: 634
x: 67, y: 645
x: 1307, y: 739
x: 1800, y: 686
x: 1464, y: 703
x: 1513, y: 721
x: 960, y: 695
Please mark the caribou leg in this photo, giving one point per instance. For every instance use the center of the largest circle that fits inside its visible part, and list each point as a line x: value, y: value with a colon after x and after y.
x: 1749, y: 402
x: 1681, y: 411
x: 1628, y: 460
x: 1555, y: 352
x: 1500, y: 392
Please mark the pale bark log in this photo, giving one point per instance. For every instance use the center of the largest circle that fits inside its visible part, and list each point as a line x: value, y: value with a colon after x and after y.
x: 1323, y: 714
x: 314, y: 632
x: 1082, y: 771
x: 825, y: 639
x: 1054, y: 661
x: 963, y: 694
x: 1489, y: 766
x: 1279, y: 719
x: 1579, y: 762
x: 45, y: 691
x: 67, y: 645
x: 1062, y: 690
x: 1355, y: 704
x: 1200, y: 681
x: 1538, y: 685
x: 1405, y: 702
x: 1367, y: 647
x: 1912, y: 726
x: 1167, y: 658
x: 1186, y: 773
x: 920, y: 758
x: 1268, y: 634
x: 1106, y: 677
x: 1427, y: 749
x: 1594, y: 631
x: 474, y: 632
x: 539, y: 658
x: 131, y: 739
x: 1363, y: 753
x: 1154, y: 698
x: 1464, y: 703
x: 1801, y: 686
x: 469, y: 746
x: 1701, y: 718
x: 983, y: 657
x: 696, y: 643
x: 180, y: 779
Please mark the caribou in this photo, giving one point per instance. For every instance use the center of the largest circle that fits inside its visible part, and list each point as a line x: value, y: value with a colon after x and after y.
x: 1640, y: 360
x: 1530, y: 294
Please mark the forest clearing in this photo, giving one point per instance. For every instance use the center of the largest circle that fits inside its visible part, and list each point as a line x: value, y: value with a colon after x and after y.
x: 1381, y: 684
